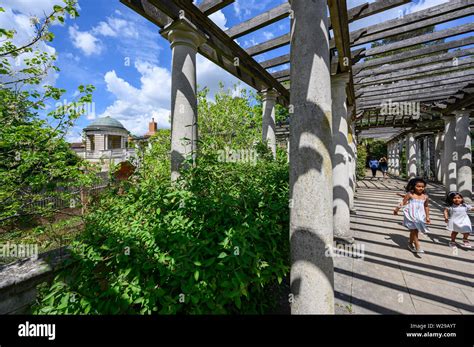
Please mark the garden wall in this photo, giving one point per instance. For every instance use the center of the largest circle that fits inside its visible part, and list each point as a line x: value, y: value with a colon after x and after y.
x: 18, y: 280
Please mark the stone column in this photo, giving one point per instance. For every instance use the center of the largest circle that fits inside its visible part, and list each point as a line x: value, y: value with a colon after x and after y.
x: 352, y: 164
x: 450, y: 153
x: 311, y: 221
x: 439, y: 139
x: 185, y: 40
x: 340, y: 160
x: 396, y: 170
x: 288, y: 149
x: 463, y: 144
x: 426, y: 157
x: 269, y: 98
x: 411, y: 156
x: 390, y: 157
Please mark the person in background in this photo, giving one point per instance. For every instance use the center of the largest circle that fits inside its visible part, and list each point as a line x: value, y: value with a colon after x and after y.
x: 383, y: 164
x: 455, y: 215
x: 374, y: 166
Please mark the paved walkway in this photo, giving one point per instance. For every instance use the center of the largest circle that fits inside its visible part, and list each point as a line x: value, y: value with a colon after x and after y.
x: 390, y: 279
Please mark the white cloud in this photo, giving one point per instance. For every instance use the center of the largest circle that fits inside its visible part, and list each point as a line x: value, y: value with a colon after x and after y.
x: 210, y: 75
x: 246, y: 8
x: 220, y: 19
x: 424, y: 4
x: 74, y: 135
x: 39, y: 8
x: 393, y: 13
x: 114, y: 27
x: 135, y: 107
x: 85, y: 41
x: 268, y: 35
x: 70, y: 56
x: 17, y: 16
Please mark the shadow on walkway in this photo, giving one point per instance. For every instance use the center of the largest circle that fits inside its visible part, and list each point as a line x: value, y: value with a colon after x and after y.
x: 389, y: 279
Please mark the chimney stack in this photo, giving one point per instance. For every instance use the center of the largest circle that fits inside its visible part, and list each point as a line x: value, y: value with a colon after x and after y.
x: 152, y: 127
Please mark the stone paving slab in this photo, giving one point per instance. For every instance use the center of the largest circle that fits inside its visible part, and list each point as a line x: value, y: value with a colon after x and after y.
x: 392, y: 280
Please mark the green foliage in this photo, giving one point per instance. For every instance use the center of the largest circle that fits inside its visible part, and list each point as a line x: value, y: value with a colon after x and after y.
x: 213, y: 242
x: 230, y: 121
x: 361, y: 165
x: 403, y: 163
x: 210, y: 243
x: 35, y: 158
x: 376, y: 148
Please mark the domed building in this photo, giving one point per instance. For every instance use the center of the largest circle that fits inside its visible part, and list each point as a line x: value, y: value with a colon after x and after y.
x: 105, y: 134
x: 106, y: 143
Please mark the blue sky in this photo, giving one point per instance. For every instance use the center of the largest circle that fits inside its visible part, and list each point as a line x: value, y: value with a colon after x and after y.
x: 127, y: 60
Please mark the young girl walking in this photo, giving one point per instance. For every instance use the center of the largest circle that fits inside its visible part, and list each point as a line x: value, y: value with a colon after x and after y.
x: 457, y: 218
x: 416, y: 212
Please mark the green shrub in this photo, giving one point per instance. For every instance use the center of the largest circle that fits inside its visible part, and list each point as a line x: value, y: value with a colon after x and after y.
x: 211, y: 243
x: 361, y: 165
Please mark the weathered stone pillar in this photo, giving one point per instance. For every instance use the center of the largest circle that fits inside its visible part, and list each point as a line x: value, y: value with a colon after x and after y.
x: 311, y: 221
x: 352, y: 163
x: 439, y: 139
x: 288, y: 149
x: 411, y: 156
x: 340, y: 160
x: 390, y: 157
x: 268, y: 122
x: 450, y: 153
x: 396, y: 170
x: 185, y: 40
x: 463, y: 144
x: 426, y: 157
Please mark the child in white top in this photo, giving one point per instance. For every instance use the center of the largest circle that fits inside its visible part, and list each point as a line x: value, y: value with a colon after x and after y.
x: 457, y: 218
x: 416, y: 212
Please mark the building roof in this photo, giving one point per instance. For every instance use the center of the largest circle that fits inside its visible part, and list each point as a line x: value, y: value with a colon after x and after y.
x: 77, y: 145
x: 105, y: 122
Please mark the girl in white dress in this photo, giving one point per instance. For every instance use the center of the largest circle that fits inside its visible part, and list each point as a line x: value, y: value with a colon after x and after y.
x: 457, y: 218
x: 416, y: 212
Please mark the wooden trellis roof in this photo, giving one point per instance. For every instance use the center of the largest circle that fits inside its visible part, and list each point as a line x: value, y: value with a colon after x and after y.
x: 432, y: 69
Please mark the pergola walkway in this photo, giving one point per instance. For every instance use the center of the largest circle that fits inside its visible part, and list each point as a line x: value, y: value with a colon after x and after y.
x: 391, y: 279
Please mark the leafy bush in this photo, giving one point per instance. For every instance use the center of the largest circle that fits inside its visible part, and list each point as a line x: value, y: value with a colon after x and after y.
x: 361, y: 165
x: 213, y: 242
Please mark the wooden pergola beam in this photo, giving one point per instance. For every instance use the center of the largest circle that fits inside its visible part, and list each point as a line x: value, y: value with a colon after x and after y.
x: 340, y: 27
x: 353, y: 14
x: 466, y: 101
x: 415, y: 97
x: 284, y: 59
x: 414, y: 72
x: 269, y: 45
x: 369, y: 9
x: 413, y: 63
x: 281, y: 74
x: 208, y: 7
x: 402, y: 93
x: 431, y: 16
x: 426, y: 38
x: 260, y: 21
x: 426, y: 79
x: 223, y: 46
x: 443, y: 83
x: 147, y: 10
x: 442, y: 47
